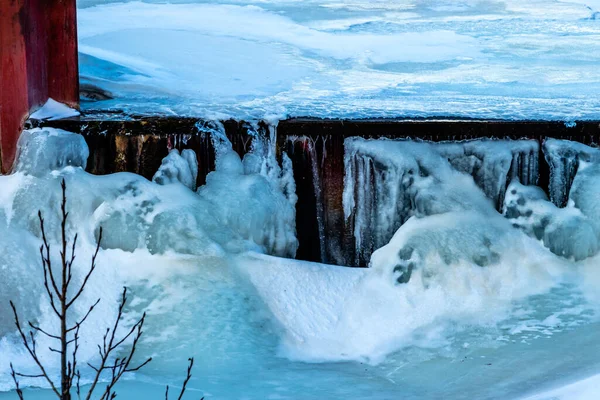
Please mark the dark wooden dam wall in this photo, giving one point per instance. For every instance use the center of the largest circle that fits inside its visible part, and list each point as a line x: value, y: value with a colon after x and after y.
x: 316, y: 148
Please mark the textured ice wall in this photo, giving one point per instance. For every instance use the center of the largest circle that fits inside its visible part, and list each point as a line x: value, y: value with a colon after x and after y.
x: 493, y: 164
x: 572, y: 231
x: 41, y: 150
x: 383, y: 181
x: 563, y: 157
x: 566, y: 232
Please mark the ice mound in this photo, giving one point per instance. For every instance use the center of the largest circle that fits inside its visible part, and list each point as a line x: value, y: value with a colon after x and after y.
x: 251, y: 205
x: 566, y: 232
x: 175, y: 167
x: 572, y: 231
x: 41, y: 150
x: 585, y: 191
x: 389, y: 181
x: 449, y: 238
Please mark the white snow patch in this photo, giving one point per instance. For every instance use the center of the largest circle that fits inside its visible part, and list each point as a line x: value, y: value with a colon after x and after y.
x: 52, y: 110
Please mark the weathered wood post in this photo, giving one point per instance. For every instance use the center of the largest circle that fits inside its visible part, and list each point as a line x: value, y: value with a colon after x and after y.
x: 38, y: 60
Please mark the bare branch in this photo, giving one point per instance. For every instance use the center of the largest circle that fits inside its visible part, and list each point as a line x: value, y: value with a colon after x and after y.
x: 82, y: 320
x: 37, y: 328
x: 31, y: 350
x: 91, y: 270
x: 46, y: 261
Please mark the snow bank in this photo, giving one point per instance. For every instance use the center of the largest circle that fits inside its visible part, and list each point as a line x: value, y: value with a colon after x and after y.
x: 585, y: 389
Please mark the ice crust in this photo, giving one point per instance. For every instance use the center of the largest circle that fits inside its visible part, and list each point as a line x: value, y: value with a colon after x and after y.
x: 389, y: 181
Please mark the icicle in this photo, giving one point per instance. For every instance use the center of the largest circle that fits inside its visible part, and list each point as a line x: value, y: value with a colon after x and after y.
x: 563, y: 157
x: 309, y: 146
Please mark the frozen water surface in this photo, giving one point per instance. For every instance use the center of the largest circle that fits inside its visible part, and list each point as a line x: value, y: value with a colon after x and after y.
x: 345, y: 58
x: 460, y: 303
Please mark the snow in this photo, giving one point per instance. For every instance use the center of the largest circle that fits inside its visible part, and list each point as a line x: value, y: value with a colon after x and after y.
x: 350, y: 59
x: 52, y: 110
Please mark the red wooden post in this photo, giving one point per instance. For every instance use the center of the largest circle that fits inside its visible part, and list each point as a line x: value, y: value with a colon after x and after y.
x: 14, y: 105
x: 63, y: 69
x: 38, y: 60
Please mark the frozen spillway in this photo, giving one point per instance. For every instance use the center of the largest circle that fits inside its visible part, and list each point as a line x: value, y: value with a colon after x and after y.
x: 234, y: 211
x: 388, y: 181
x: 481, y: 301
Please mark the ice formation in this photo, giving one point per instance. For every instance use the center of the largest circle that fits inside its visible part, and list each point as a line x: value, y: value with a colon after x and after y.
x: 309, y: 146
x: 388, y: 181
x: 455, y: 281
x: 566, y: 232
x: 493, y: 164
x: 563, y: 156
x: 175, y: 167
x: 42, y: 150
x: 233, y: 212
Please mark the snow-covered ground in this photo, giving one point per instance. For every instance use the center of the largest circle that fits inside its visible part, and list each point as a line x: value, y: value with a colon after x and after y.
x: 345, y: 58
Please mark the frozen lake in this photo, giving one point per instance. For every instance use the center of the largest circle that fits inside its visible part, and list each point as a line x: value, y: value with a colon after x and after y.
x: 345, y: 58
